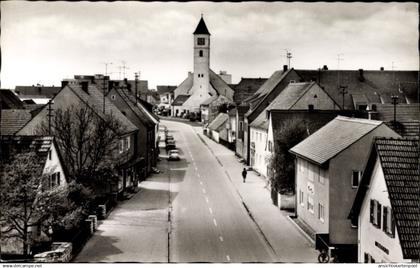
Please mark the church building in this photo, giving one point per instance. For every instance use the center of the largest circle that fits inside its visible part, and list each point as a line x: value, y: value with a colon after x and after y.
x: 203, y: 84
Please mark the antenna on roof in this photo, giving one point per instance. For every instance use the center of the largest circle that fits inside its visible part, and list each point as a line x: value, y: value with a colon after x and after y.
x: 341, y: 88
x: 124, y: 68
x: 288, y: 56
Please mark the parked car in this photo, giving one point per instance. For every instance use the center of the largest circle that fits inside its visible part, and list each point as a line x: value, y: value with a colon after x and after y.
x: 170, y: 145
x: 173, y: 155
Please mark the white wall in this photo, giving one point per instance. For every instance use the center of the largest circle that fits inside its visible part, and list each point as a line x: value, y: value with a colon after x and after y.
x: 54, y: 165
x: 368, y: 233
x: 259, y: 136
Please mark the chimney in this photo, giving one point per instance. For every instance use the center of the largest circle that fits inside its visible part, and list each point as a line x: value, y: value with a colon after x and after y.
x: 361, y: 77
x: 64, y: 83
x: 85, y: 86
x: 325, y: 68
x: 284, y: 68
x: 382, y: 69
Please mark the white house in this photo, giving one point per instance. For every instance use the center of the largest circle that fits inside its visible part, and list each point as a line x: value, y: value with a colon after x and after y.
x: 328, y: 167
x: 386, y: 207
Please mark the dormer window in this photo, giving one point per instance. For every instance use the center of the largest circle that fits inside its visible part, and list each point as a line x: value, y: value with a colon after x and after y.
x: 201, y: 53
x: 201, y: 41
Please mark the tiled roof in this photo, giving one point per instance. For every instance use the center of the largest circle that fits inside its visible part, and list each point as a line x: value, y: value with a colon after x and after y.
x: 209, y: 100
x: 400, y: 164
x: 219, y: 122
x: 9, y: 100
x: 246, y: 88
x: 399, y: 159
x: 185, y: 87
x: 15, y: 145
x: 36, y: 91
x: 271, y: 83
x: 407, y: 129
x: 179, y: 100
x: 373, y: 86
x: 404, y: 112
x: 261, y: 121
x: 94, y: 98
x: 165, y: 89
x: 140, y: 113
x: 142, y: 85
x: 13, y: 120
x: 201, y: 28
x: 221, y: 86
x: 333, y: 138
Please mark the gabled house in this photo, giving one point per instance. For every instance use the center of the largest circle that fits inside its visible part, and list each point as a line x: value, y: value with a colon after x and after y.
x: 145, y: 146
x: 50, y: 165
x: 217, y: 129
x: 328, y: 167
x: 88, y: 95
x: 386, y: 207
x: 296, y: 96
x: 166, y: 95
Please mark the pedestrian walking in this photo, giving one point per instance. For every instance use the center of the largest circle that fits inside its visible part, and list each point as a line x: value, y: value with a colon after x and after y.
x: 244, y: 174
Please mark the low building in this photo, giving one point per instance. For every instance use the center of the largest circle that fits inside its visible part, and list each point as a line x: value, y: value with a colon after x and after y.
x: 386, y: 207
x: 217, y: 128
x: 329, y: 164
x: 166, y: 95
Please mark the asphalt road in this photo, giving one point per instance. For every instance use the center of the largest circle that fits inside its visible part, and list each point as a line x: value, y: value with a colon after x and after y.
x: 188, y: 213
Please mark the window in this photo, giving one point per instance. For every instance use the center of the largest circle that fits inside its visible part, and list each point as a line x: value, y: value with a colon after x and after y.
x: 270, y: 146
x: 127, y: 143
x: 121, y: 146
x: 54, y: 179
x: 112, y: 97
x: 310, y: 203
x: 49, y: 154
x: 355, y: 179
x: 201, y: 53
x: 201, y: 41
x: 321, y: 212
x: 301, y: 198
x: 241, y: 126
x: 368, y: 258
x: 375, y: 213
x: 388, y: 225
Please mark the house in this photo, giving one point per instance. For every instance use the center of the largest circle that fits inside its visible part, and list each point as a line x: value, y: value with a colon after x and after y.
x: 205, y: 109
x: 295, y: 96
x: 166, y: 95
x: 386, y: 207
x: 216, y: 129
x: 145, y: 146
x: 328, y: 167
x: 88, y: 95
x: 203, y: 82
x: 49, y: 163
x: 246, y: 88
x: 9, y: 100
x: 40, y: 94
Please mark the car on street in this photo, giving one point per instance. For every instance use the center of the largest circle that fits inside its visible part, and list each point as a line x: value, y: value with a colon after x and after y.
x: 170, y: 145
x: 173, y: 155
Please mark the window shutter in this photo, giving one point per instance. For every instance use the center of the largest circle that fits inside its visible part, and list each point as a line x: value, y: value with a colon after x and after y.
x: 58, y: 178
x: 372, y: 206
x: 379, y: 214
x: 385, y: 220
x: 392, y: 223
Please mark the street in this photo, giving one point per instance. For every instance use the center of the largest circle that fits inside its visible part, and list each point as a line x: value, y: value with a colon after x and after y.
x: 191, y: 212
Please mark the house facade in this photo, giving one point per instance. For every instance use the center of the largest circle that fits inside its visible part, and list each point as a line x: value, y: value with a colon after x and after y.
x: 328, y: 167
x: 88, y: 95
x: 385, y: 209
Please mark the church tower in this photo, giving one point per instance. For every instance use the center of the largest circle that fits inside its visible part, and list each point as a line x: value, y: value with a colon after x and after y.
x: 201, y: 79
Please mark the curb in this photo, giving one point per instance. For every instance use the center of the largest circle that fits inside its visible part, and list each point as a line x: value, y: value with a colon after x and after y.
x: 301, y: 230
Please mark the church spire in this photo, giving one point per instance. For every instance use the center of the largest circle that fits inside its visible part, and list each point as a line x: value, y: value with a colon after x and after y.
x: 201, y: 27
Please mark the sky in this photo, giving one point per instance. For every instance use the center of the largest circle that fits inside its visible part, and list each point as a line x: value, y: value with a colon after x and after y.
x: 45, y: 42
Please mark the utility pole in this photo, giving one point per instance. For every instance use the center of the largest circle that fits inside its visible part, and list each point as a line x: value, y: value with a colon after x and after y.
x: 341, y: 89
x: 50, y: 115
x: 343, y: 92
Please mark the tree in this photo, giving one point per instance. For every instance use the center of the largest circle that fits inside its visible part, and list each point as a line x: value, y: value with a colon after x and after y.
x: 281, y: 163
x: 26, y: 202
x: 88, y: 143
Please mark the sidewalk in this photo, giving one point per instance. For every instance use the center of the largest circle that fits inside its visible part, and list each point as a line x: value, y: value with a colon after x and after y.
x: 282, y: 235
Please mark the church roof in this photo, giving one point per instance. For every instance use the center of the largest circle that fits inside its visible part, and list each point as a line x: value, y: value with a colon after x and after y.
x: 201, y: 28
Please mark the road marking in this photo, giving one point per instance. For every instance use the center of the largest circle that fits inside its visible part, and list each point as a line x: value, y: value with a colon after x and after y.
x: 198, y: 175
x: 201, y: 183
x: 215, y: 222
x: 228, y: 257
x: 207, y: 200
x: 211, y: 211
x: 221, y: 238
x: 204, y: 190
